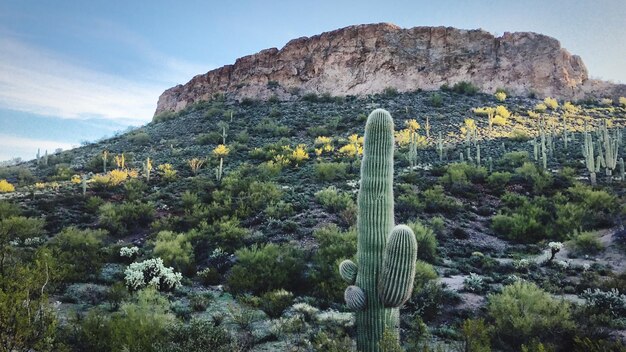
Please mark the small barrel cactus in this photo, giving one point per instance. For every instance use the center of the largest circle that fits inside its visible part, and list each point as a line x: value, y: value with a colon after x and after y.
x: 383, y: 279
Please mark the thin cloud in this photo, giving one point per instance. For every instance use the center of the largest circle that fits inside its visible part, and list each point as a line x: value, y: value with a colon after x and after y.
x: 42, y: 82
x: 26, y: 148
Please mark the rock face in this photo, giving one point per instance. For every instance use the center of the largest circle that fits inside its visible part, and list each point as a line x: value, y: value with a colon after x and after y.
x: 366, y: 59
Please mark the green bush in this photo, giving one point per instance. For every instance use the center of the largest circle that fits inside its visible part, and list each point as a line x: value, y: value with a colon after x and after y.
x: 513, y: 160
x: 424, y: 273
x: 330, y: 171
x: 333, y: 200
x: 426, y: 241
x: 260, y: 269
x: 437, y: 201
x: 464, y: 87
x: 139, y: 138
x: 175, y: 250
x: 213, y: 137
x: 120, y: 219
x: 275, y: 302
x: 600, y: 207
x: 523, y: 312
x: 537, y: 178
x: 80, y: 253
x: 476, y: 337
x: 497, y: 181
x: 334, y: 246
x: 197, y: 336
x: 164, y: 116
x: 587, y: 242
x: 140, y: 325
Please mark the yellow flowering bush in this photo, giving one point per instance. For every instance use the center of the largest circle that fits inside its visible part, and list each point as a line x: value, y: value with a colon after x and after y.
x: 300, y: 154
x: 75, y: 179
x: 622, y: 101
x: 500, y: 96
x: 40, y: 185
x: 6, y: 187
x: 551, y: 103
x: 412, y: 125
x: 321, y: 140
x: 469, y: 126
x: 168, y: 173
x: 116, y: 177
x: 541, y: 107
x: 220, y: 151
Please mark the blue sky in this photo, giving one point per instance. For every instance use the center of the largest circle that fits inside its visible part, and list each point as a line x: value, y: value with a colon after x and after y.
x: 80, y: 70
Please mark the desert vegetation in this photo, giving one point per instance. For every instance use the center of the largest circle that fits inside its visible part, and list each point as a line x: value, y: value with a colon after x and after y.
x: 234, y: 226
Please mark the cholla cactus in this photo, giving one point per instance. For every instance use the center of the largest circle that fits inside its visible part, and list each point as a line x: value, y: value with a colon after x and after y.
x: 151, y: 272
x: 129, y: 251
x: 554, y: 247
x: 383, y: 279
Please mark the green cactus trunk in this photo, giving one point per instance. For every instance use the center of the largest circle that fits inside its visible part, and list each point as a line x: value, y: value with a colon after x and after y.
x: 386, y: 255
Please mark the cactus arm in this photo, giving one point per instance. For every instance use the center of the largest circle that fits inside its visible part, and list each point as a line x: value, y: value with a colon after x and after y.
x: 348, y: 271
x: 396, y: 282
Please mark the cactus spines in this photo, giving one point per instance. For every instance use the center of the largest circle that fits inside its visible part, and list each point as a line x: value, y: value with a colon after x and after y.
x: 355, y: 298
x: 375, y: 223
x: 348, y: 271
x: 396, y: 281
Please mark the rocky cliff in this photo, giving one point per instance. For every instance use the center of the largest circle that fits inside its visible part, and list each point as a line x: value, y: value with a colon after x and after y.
x: 366, y: 59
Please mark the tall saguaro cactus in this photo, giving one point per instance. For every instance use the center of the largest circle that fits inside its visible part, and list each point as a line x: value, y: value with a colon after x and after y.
x: 383, y: 279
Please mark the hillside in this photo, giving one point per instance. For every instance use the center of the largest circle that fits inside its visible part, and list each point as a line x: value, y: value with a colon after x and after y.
x: 257, y: 249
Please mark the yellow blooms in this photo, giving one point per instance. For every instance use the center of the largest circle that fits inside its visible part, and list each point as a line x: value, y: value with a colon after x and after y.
x: 101, y: 179
x: 622, y: 101
x: 321, y: 140
x: 403, y: 138
x: 116, y: 177
x: 469, y: 126
x: 318, y: 151
x: 195, y: 164
x: 281, y: 160
x: 503, y: 112
x: 570, y: 108
x: 541, y: 107
x: 40, y: 185
x: 75, y: 179
x: 551, y: 103
x: 167, y: 172
x: 120, y: 161
x: 500, y: 96
x: 354, y: 148
x: 133, y: 173
x: 606, y: 101
x: 532, y: 114
x: 221, y: 151
x: 412, y: 125
x: 300, y: 154
x: 6, y: 187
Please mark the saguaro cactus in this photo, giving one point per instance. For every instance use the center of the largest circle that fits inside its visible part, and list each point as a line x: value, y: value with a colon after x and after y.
x: 386, y: 255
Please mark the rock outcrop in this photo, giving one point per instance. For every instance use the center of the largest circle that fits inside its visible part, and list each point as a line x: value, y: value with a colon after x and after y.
x: 366, y: 59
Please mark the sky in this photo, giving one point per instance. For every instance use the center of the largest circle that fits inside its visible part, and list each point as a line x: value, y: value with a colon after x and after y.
x: 75, y: 71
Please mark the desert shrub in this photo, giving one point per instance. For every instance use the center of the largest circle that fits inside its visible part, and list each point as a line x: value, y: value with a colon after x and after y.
x: 522, y: 228
x: 330, y: 171
x: 436, y: 100
x: 551, y: 103
x: 537, y: 178
x: 8, y: 209
x: 497, y: 181
x: 519, y: 135
x: 514, y: 159
x: 6, y: 187
x: 426, y: 241
x: 226, y: 233
x: 20, y: 230
x: 334, y: 246
x: 80, y: 253
x: 609, y: 302
x: 120, y: 219
x: 458, y: 175
x: 139, y: 138
x: 85, y: 294
x: 424, y: 273
x: 437, y: 201
x: 139, y: 325
x: 430, y: 300
x: 333, y: 200
x: 198, y: 336
x: 474, y: 283
x: 260, y: 269
x: 175, y: 250
x: 523, y: 312
x: 476, y: 335
x: 600, y: 206
x: 213, y: 137
x: 164, y: 116
x: 585, y: 344
x: 275, y: 302
x: 464, y: 87
x: 586, y: 242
